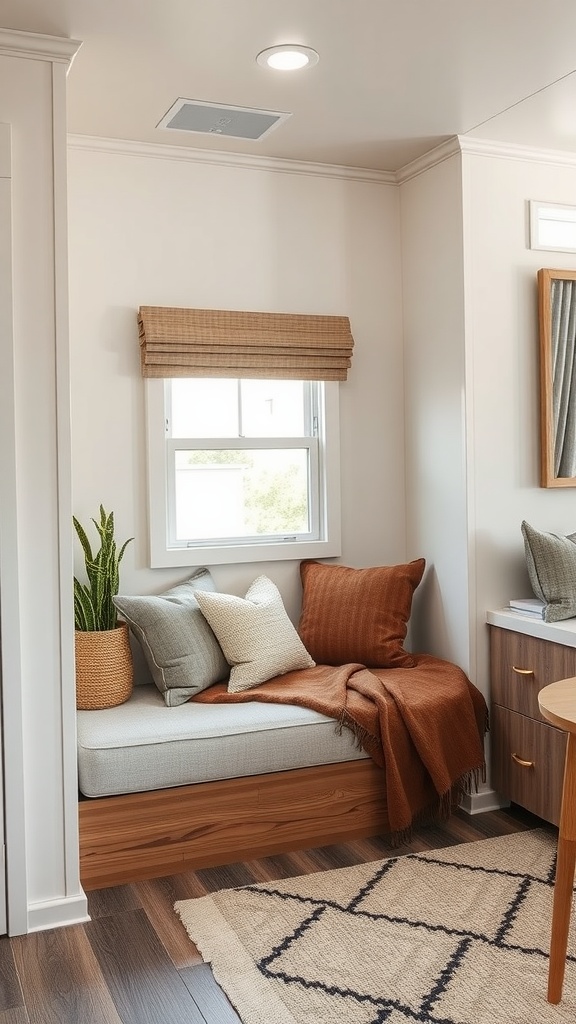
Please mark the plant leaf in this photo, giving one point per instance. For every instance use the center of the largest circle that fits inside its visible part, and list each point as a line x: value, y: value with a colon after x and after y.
x: 94, y: 608
x: 84, y: 618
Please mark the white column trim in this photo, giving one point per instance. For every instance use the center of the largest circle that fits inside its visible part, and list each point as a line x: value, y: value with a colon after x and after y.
x: 14, y: 798
x: 64, y: 486
x: 68, y: 902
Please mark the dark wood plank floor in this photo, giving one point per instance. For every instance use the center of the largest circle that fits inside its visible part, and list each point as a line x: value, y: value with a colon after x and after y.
x: 133, y: 962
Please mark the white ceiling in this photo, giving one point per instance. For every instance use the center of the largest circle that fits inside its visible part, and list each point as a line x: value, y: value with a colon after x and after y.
x: 395, y: 77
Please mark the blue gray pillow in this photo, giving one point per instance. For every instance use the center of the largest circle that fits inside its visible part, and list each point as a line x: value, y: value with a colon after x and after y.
x: 551, y: 563
x: 183, y: 655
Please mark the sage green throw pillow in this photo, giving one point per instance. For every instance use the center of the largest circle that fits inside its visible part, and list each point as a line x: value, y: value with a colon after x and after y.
x: 183, y: 655
x: 551, y: 563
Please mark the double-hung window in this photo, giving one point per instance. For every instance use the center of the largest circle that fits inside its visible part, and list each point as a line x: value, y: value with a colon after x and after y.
x: 242, y: 470
x: 243, y: 455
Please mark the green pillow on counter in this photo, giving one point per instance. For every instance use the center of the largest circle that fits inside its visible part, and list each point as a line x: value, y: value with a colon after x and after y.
x: 551, y: 563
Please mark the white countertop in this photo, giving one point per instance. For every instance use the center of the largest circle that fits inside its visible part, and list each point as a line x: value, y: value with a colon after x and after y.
x: 559, y: 632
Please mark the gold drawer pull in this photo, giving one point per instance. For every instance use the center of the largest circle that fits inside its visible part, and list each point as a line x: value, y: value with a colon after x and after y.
x: 523, y: 671
x: 520, y: 761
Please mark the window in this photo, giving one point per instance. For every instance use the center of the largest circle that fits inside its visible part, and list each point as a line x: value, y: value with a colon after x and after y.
x: 242, y: 470
x: 552, y: 227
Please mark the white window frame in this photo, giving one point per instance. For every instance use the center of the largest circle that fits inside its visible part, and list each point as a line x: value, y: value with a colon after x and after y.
x: 164, y: 554
x: 538, y: 211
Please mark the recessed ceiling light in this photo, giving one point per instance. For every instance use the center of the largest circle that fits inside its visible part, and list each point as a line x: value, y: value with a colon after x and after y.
x: 289, y: 57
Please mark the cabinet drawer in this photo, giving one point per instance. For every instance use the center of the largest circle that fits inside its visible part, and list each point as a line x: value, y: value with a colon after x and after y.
x: 537, y: 785
x: 520, y: 666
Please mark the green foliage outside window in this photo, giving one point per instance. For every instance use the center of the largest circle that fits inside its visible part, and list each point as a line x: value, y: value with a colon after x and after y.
x: 275, y: 502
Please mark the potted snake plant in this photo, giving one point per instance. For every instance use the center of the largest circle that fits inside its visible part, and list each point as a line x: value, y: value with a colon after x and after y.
x: 104, y: 672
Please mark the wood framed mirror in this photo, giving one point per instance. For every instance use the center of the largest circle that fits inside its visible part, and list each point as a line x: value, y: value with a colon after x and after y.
x: 557, y: 319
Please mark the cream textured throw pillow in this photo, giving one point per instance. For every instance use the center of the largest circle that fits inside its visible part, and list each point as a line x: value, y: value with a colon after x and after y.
x: 255, y: 633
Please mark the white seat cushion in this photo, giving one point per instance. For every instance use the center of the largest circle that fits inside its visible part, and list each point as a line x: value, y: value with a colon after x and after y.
x: 143, y: 745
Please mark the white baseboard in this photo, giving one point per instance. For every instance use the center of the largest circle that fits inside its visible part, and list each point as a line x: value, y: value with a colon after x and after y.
x: 58, y: 913
x: 485, y: 800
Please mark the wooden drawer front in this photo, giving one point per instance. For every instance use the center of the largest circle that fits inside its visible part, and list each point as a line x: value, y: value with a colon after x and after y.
x: 520, y: 666
x: 538, y: 788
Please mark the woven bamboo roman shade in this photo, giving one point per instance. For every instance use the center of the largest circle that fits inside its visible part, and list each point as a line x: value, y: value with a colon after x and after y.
x: 178, y: 342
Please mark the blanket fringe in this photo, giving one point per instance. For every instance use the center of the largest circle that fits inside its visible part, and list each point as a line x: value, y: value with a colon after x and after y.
x: 363, y: 740
x: 442, y: 807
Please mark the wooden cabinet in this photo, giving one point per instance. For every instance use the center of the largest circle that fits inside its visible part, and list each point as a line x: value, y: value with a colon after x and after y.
x: 527, y: 764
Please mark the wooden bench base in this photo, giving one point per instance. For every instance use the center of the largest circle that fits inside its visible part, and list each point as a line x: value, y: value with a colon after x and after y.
x: 164, y: 832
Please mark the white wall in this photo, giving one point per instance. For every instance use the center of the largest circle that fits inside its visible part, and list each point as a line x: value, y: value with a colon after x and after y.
x: 150, y: 229
x: 472, y: 399
x: 502, y: 345
x: 472, y: 387
x: 436, y: 470
x: 38, y: 691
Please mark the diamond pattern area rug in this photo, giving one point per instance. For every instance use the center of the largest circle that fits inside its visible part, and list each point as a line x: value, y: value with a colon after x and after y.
x: 452, y: 936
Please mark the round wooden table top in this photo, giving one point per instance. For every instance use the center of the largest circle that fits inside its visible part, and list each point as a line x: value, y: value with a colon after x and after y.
x: 557, y: 702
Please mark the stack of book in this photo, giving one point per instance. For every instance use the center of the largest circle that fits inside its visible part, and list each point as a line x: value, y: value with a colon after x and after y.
x: 527, y: 605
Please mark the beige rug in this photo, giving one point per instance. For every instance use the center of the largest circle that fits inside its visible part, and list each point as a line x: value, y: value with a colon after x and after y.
x: 452, y: 936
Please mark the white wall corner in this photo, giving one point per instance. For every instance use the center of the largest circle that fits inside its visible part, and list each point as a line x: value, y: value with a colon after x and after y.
x: 434, y: 156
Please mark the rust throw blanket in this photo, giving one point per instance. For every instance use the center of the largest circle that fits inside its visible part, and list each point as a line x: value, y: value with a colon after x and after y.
x: 424, y: 725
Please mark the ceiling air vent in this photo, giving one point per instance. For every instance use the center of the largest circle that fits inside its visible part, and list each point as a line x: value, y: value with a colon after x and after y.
x: 214, y: 119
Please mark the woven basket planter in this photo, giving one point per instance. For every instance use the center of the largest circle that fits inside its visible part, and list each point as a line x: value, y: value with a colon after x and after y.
x: 104, y: 671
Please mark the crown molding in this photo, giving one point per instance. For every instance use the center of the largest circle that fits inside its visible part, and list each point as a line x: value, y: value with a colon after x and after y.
x: 36, y: 46
x: 466, y: 145
x: 423, y: 163
x: 224, y: 159
x: 511, y: 151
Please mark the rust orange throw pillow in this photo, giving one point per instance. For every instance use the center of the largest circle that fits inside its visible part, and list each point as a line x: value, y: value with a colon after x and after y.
x: 358, y: 615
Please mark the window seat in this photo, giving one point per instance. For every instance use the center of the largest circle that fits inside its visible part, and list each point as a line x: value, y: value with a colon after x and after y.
x: 165, y: 790
x: 143, y: 745
x: 201, y: 783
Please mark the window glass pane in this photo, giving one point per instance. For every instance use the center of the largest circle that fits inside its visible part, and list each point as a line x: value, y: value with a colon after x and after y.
x: 241, y: 492
x: 558, y: 233
x: 204, y: 407
x: 272, y: 408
